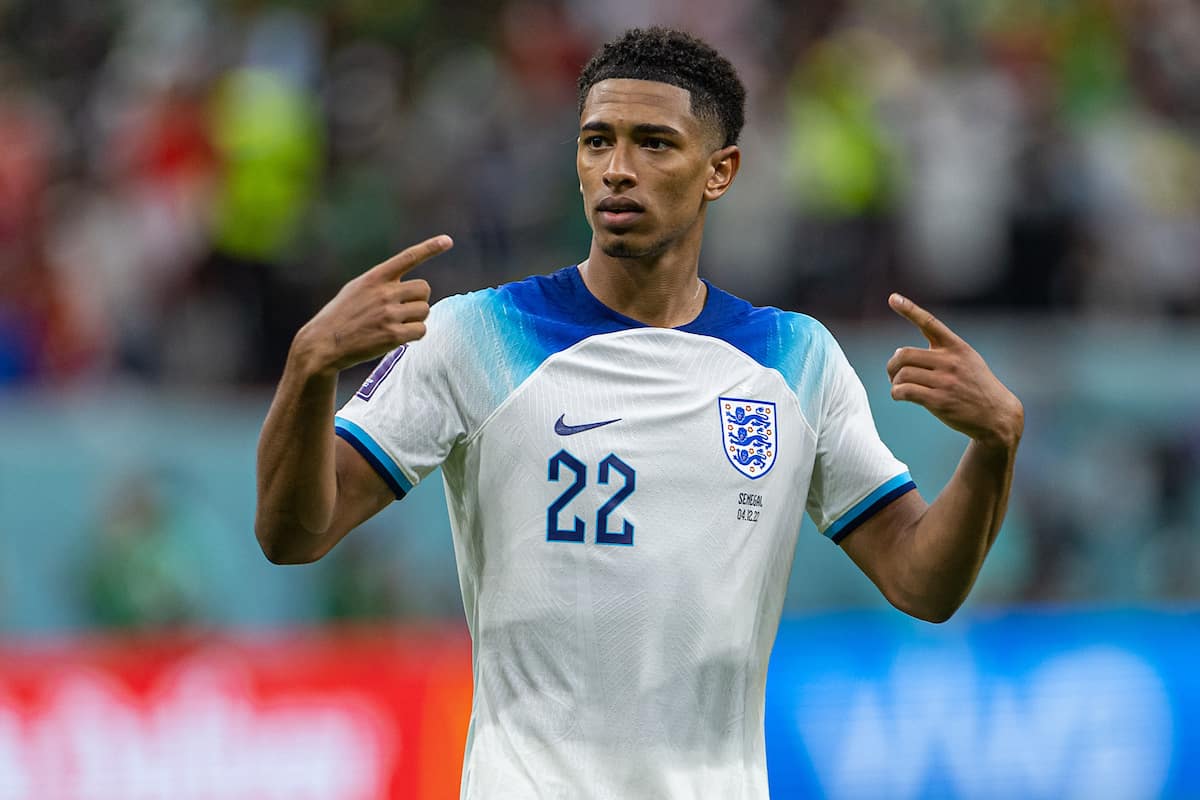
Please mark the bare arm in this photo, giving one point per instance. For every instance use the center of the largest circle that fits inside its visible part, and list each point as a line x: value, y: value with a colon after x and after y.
x: 925, y: 558
x: 313, y: 488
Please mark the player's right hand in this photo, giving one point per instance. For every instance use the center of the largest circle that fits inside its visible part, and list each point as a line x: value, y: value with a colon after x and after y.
x: 372, y: 314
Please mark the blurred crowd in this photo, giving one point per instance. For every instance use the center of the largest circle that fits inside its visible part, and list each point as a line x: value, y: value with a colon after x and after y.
x: 183, y: 182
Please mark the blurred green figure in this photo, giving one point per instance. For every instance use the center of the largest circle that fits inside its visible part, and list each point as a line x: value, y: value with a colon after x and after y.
x: 139, y: 577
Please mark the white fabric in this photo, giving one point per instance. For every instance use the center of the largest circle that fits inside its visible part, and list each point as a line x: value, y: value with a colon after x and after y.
x: 606, y: 670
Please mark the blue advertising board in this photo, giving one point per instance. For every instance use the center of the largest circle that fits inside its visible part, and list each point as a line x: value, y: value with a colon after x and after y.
x: 1030, y: 704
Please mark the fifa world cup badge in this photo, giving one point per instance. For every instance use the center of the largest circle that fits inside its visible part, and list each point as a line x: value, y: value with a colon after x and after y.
x: 749, y: 434
x: 380, y: 372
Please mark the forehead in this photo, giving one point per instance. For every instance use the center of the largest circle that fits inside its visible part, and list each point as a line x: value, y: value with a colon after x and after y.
x: 633, y: 102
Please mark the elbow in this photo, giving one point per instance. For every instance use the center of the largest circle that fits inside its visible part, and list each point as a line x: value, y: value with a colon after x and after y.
x: 281, y: 557
x: 925, y: 606
x: 275, y: 545
x: 935, y: 615
x: 935, y: 610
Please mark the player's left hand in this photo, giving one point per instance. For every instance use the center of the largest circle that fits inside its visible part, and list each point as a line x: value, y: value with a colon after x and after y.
x: 953, y: 382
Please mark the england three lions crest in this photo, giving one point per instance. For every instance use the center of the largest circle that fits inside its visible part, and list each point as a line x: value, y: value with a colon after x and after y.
x: 749, y: 434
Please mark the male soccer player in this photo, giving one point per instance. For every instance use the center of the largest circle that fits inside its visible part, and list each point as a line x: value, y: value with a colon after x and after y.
x: 627, y: 453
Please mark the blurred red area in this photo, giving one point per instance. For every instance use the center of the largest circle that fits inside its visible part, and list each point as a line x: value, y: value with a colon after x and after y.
x: 355, y: 714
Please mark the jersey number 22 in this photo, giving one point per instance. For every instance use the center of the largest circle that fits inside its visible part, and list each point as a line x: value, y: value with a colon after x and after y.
x: 610, y: 464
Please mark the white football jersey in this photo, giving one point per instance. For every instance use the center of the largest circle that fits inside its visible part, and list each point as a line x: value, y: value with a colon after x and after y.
x: 625, y: 502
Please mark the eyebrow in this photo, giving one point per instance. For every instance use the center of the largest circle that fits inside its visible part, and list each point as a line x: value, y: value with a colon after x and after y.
x: 643, y: 128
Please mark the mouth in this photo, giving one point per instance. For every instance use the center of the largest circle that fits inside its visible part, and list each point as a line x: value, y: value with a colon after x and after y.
x: 619, y: 212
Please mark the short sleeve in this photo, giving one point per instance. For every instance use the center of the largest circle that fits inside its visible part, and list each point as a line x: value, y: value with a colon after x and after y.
x: 854, y: 474
x: 407, y: 416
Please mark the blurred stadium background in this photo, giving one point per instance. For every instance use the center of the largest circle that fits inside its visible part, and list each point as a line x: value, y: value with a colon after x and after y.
x: 183, y: 182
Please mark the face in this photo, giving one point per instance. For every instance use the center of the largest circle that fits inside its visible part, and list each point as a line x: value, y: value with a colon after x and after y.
x: 647, y: 165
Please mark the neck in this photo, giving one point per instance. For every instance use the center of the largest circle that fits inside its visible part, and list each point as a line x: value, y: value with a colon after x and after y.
x: 663, y: 291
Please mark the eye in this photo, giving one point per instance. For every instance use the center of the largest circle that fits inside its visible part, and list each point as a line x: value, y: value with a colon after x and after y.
x: 654, y: 143
x: 593, y: 142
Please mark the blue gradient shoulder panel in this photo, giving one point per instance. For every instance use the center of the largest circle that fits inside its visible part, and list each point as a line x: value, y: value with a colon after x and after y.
x: 546, y: 314
x: 794, y: 345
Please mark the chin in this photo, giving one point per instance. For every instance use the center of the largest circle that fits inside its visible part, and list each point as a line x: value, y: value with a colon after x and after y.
x: 620, y: 248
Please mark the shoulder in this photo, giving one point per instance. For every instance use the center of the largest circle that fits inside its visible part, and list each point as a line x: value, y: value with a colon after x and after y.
x: 510, y: 329
x: 536, y: 317
x: 788, y: 341
x: 537, y: 295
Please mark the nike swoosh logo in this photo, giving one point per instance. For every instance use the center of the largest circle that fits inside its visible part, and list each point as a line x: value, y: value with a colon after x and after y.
x: 563, y: 429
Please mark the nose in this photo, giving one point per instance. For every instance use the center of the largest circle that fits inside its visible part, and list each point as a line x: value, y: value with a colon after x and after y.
x: 619, y: 174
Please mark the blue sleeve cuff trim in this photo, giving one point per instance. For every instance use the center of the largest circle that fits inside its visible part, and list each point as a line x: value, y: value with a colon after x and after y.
x: 869, y: 505
x: 380, y: 461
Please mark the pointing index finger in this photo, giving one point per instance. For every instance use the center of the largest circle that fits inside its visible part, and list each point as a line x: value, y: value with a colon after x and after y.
x: 934, y: 330
x: 407, y: 259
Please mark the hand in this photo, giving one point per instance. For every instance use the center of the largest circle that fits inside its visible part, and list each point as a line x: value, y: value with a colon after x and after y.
x: 372, y: 314
x: 952, y: 381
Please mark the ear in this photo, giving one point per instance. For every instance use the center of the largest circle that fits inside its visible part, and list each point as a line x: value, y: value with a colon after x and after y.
x: 723, y: 167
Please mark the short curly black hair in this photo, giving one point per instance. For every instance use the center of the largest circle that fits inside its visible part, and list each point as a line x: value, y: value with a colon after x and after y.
x: 677, y: 58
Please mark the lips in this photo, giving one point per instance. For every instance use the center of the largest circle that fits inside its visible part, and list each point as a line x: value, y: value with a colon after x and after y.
x: 619, y: 212
x: 619, y: 205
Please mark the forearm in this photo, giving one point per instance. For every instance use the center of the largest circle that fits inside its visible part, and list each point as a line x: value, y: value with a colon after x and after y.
x: 925, y: 558
x: 946, y: 546
x: 297, y: 474
x: 307, y: 498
